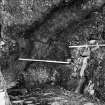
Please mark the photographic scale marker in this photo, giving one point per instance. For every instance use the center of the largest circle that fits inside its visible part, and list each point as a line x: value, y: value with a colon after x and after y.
x: 60, y: 62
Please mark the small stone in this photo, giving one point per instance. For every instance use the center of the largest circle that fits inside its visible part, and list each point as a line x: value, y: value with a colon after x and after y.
x: 88, y: 104
x: 92, y: 41
x: 55, y: 103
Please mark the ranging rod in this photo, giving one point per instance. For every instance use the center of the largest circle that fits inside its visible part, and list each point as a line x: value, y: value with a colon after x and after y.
x: 37, y: 60
x: 60, y: 62
x: 97, y: 45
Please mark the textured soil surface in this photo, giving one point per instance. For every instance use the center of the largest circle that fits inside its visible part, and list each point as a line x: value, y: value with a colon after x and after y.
x: 45, y: 30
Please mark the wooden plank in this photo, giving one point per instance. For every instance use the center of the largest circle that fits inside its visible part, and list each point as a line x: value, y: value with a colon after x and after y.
x: 47, y: 61
x: 77, y: 46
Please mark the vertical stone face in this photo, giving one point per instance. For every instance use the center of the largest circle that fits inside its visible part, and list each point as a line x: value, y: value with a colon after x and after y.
x: 4, y: 99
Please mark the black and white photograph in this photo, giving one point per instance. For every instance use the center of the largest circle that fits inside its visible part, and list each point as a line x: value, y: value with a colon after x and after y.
x: 52, y: 52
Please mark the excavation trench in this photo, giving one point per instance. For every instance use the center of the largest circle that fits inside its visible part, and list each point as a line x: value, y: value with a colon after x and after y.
x: 53, y: 52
